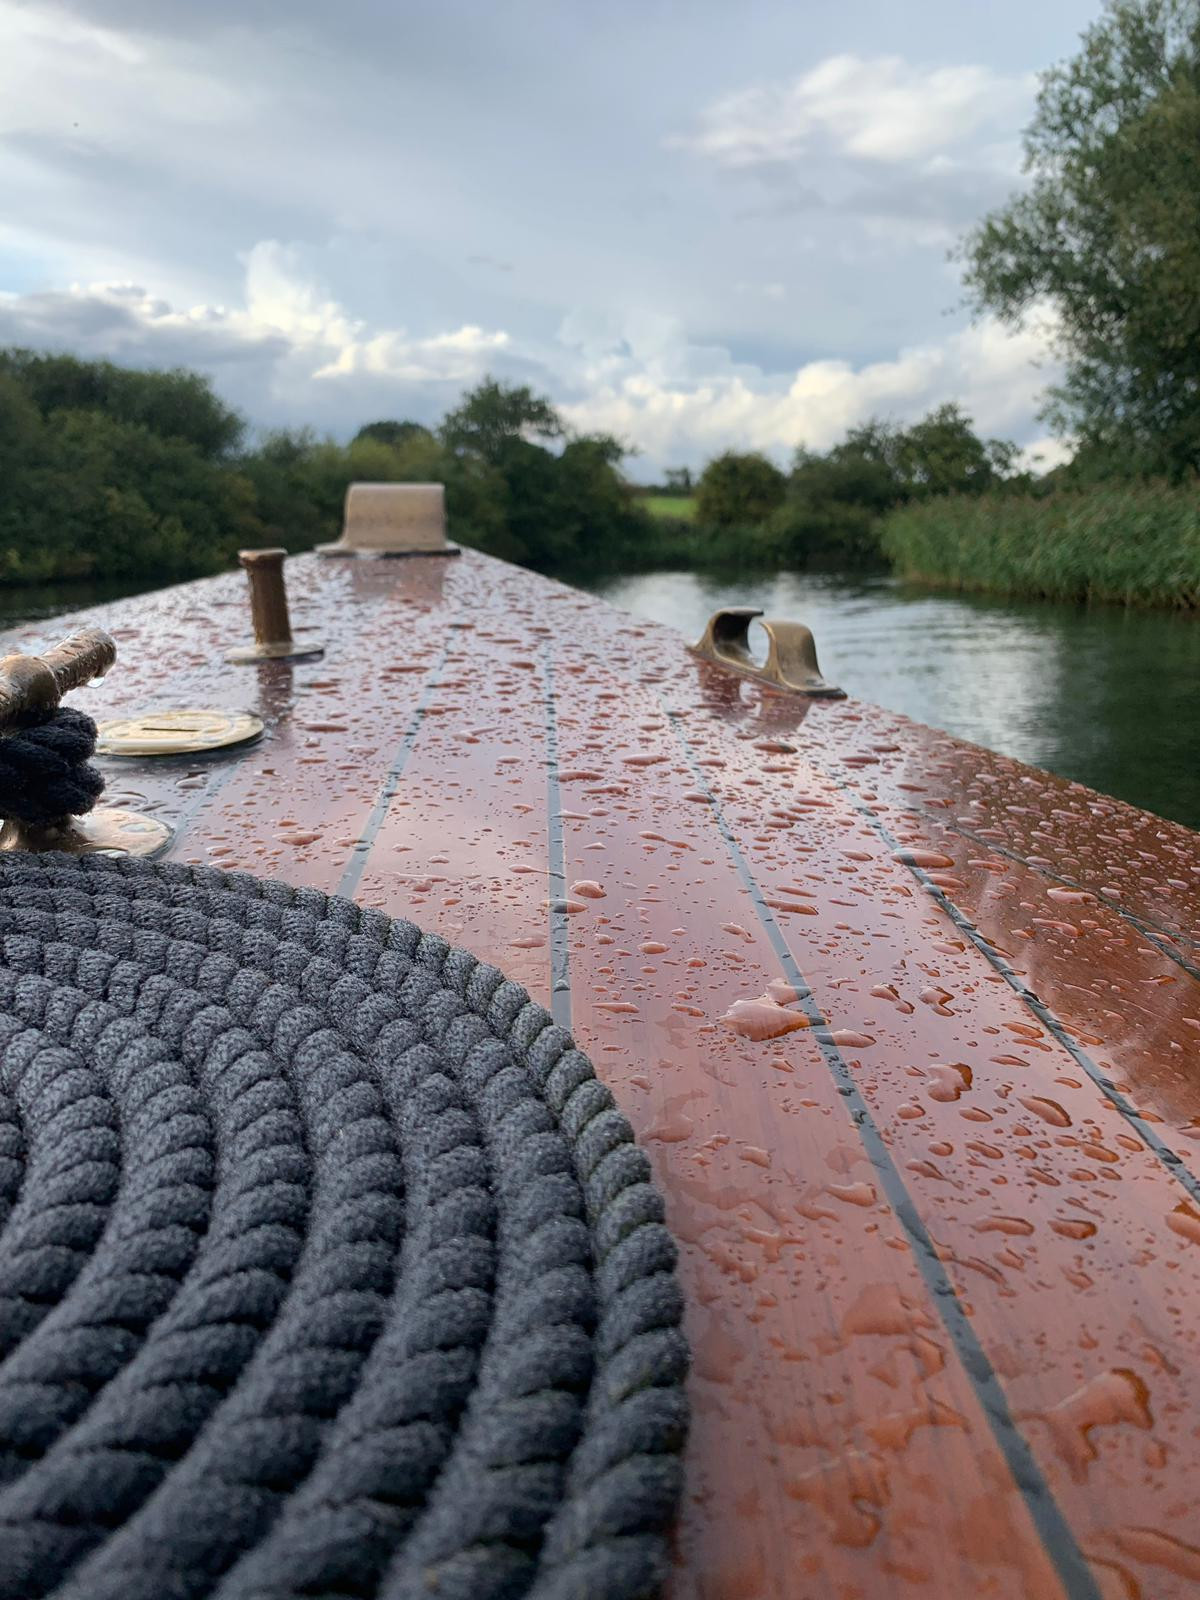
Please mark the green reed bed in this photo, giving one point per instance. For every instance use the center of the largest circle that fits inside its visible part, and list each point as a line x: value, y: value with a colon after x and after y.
x: 1135, y: 544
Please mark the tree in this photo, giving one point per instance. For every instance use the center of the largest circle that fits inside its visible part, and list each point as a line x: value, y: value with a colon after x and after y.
x: 942, y: 454
x: 1108, y: 236
x: 494, y: 415
x: 738, y: 490
x: 864, y: 470
x: 835, y: 502
x: 175, y: 405
x: 107, y: 472
x: 86, y: 494
x: 393, y: 433
x: 679, y: 480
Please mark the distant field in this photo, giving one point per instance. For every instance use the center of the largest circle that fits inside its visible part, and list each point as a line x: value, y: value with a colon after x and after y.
x: 682, y: 507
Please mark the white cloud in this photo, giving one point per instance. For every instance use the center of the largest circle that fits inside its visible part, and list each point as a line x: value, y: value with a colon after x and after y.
x: 880, y: 109
x: 461, y: 354
x: 288, y: 325
x: 1042, y: 454
x: 990, y: 371
x: 96, y: 73
x: 292, y: 353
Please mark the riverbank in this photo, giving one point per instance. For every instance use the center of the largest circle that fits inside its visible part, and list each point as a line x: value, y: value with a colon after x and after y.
x: 1132, y: 544
x: 1137, y: 545
x: 670, y: 536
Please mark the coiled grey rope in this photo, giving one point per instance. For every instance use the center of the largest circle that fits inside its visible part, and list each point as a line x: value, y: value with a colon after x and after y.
x: 327, y: 1265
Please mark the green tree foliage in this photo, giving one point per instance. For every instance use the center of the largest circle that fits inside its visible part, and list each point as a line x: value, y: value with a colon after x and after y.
x: 100, y: 476
x: 393, y: 433
x: 85, y: 493
x: 1108, y: 235
x: 739, y: 490
x: 547, y: 508
x: 505, y: 493
x: 174, y: 405
x: 942, y: 454
x: 835, y: 501
x: 300, y: 483
x: 494, y: 415
x: 106, y: 472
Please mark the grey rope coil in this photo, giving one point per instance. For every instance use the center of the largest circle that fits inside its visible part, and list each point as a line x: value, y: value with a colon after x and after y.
x: 327, y: 1265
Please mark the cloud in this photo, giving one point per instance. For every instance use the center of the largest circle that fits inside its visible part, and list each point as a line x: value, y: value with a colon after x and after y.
x: 881, y: 109
x: 767, y: 291
x: 291, y: 353
x: 87, y: 61
x: 465, y: 189
x: 1040, y: 455
x: 855, y: 141
x: 996, y: 375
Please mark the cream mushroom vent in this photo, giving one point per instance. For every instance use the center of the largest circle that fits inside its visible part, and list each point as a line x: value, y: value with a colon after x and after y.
x: 393, y: 519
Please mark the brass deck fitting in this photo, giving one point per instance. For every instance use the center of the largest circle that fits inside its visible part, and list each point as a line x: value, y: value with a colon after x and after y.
x: 192, y: 730
x: 393, y: 519
x: 791, y: 661
x: 38, y: 683
x: 269, y: 613
x: 32, y: 684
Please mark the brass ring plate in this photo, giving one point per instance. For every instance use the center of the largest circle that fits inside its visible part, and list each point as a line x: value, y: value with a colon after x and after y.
x: 177, y: 732
x: 120, y: 832
x: 110, y: 830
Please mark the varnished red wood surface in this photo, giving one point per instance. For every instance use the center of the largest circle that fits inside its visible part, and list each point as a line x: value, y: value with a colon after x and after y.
x: 941, y: 1238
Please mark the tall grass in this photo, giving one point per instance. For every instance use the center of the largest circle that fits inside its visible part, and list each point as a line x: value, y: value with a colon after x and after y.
x: 1136, y: 544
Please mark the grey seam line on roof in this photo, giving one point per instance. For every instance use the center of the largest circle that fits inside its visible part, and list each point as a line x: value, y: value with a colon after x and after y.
x: 354, y: 868
x: 556, y: 874
x: 1173, y: 1162
x: 1148, y: 929
x: 1053, y: 1529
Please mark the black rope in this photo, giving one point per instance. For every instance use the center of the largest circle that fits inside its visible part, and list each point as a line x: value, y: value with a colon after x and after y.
x: 44, y: 771
x: 327, y: 1265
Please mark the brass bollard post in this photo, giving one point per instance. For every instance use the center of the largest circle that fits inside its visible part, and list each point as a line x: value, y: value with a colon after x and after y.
x: 273, y: 639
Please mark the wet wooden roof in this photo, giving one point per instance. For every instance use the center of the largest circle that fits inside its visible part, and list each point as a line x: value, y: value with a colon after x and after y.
x: 936, y: 1195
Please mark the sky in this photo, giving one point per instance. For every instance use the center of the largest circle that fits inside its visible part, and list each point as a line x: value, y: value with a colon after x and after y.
x: 696, y: 224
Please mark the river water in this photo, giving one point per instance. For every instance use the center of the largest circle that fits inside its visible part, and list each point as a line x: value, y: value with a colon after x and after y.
x: 32, y: 602
x: 1102, y: 694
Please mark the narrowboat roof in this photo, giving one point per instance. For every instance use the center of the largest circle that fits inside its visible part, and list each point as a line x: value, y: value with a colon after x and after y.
x: 910, y: 1031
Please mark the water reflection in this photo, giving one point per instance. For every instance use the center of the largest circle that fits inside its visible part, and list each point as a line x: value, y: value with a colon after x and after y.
x: 32, y: 602
x: 1100, y: 694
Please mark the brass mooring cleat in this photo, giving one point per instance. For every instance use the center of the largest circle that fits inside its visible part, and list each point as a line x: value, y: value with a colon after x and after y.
x: 31, y: 688
x: 791, y: 660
